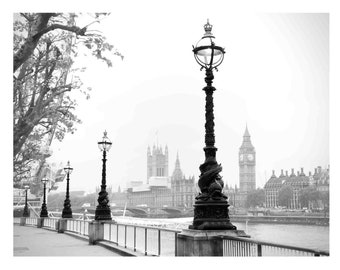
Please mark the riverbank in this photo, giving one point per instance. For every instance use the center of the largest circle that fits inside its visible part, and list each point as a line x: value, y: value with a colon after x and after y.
x: 302, y: 220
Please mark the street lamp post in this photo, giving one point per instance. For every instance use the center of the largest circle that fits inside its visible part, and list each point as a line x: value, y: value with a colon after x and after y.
x: 211, y: 205
x: 103, y: 211
x: 43, y: 212
x: 26, y: 213
x: 67, y: 211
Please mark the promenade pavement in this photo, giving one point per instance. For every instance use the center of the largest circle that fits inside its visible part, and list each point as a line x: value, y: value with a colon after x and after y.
x: 30, y: 241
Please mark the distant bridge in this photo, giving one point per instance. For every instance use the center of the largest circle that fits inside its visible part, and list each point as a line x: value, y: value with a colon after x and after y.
x: 145, y: 211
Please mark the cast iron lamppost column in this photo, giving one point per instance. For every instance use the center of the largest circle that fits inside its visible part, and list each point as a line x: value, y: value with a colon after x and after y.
x: 67, y: 211
x: 211, y: 205
x: 43, y: 212
x: 26, y: 213
x: 103, y: 211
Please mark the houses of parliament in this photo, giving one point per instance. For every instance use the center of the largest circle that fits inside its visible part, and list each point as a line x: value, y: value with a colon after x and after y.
x: 162, y: 190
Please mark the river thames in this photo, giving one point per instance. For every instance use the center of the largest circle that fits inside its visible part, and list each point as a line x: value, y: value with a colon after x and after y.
x: 306, y: 236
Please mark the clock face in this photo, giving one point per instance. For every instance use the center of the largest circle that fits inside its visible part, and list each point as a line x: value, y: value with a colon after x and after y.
x: 250, y: 157
x: 241, y: 157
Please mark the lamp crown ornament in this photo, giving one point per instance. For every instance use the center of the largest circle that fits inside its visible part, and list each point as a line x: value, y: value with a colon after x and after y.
x: 208, y: 28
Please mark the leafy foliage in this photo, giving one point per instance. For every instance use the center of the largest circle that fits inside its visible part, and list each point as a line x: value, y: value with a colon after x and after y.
x: 45, y: 47
x: 255, y: 198
x: 309, y: 195
x: 56, y: 200
x: 285, y: 195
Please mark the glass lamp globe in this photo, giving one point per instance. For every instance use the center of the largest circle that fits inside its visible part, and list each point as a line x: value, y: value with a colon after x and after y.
x: 206, y: 53
x: 105, y: 144
x: 68, y: 168
x: 44, y: 180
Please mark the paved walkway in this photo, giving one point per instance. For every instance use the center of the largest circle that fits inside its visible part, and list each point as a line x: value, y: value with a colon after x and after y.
x: 30, y: 241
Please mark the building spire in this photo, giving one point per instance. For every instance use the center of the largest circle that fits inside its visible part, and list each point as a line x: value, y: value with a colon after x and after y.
x: 246, y: 139
x: 246, y: 132
x: 177, y: 174
x: 177, y: 164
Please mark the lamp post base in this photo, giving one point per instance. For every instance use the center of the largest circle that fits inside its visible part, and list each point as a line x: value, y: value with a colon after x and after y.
x: 211, y: 215
x: 103, y: 213
x: 26, y: 212
x: 67, y: 213
x: 43, y: 212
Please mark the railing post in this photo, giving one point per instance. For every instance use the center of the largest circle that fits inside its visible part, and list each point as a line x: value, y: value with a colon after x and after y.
x: 40, y: 222
x: 176, y: 244
x: 159, y: 242
x: 62, y: 225
x: 22, y: 221
x: 259, y: 250
x: 134, y: 238
x: 110, y: 230
x: 117, y: 233
x: 125, y: 236
x: 146, y: 241
x: 96, y: 232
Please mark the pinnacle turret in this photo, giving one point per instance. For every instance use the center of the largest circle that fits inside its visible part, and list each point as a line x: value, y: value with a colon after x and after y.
x: 246, y: 140
x: 177, y: 171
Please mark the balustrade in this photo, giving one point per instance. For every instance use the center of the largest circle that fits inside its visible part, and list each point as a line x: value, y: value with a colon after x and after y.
x: 144, y: 239
x: 155, y: 241
x: 238, y: 247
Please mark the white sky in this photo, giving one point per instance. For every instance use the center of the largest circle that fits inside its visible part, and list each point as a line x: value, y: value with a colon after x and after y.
x: 274, y: 78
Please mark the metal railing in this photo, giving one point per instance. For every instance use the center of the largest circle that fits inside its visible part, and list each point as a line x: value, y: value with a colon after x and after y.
x: 148, y: 240
x: 16, y: 220
x: 78, y: 226
x: 238, y: 247
x: 31, y: 221
x: 50, y: 223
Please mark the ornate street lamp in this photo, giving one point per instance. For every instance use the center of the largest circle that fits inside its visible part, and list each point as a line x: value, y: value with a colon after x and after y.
x: 103, y: 211
x: 211, y: 205
x: 43, y: 212
x: 26, y: 213
x: 67, y: 211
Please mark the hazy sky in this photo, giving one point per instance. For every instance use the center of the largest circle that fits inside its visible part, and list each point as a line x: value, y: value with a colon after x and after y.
x: 274, y: 78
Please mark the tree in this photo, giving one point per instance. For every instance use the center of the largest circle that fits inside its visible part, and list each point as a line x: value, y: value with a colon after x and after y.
x: 324, y: 197
x: 309, y: 195
x: 285, y: 195
x: 45, y: 46
x: 56, y: 200
x: 255, y: 198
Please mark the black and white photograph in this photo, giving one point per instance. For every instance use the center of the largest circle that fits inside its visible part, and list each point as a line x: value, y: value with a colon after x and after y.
x: 172, y: 129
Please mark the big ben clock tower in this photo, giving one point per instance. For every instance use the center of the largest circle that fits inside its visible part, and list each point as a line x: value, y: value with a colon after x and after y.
x: 247, y: 161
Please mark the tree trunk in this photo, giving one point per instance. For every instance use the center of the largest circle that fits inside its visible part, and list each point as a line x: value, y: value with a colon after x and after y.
x: 32, y: 40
